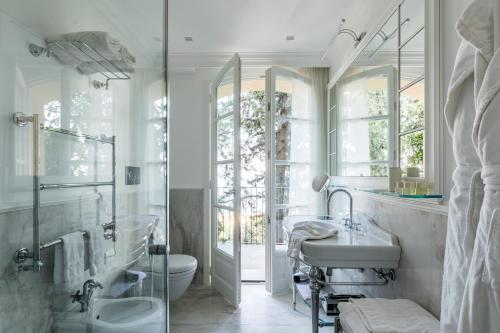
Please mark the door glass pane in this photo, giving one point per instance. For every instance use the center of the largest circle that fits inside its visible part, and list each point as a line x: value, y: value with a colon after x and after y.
x: 291, y: 97
x: 292, y: 140
x: 225, y: 138
x: 282, y: 184
x: 225, y: 184
x: 412, y: 107
x: 225, y: 94
x: 412, y: 151
x: 225, y: 225
x: 281, y: 213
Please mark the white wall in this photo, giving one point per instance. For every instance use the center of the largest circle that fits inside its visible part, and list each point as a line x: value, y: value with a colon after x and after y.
x: 189, y: 130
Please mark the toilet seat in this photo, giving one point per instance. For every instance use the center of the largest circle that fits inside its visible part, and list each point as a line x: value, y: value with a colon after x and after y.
x: 180, y: 263
x: 177, y: 263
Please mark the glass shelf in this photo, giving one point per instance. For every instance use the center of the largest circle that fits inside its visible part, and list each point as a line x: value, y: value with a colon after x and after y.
x: 435, y: 197
x: 438, y: 197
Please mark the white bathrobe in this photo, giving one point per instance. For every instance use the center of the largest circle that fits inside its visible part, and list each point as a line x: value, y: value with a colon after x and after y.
x: 466, y: 195
x: 480, y: 310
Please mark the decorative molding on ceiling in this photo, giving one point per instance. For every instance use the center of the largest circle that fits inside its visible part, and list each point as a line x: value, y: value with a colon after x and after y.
x: 248, y: 59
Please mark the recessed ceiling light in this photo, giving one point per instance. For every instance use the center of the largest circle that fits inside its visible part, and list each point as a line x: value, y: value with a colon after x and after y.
x: 290, y: 37
x: 188, y: 39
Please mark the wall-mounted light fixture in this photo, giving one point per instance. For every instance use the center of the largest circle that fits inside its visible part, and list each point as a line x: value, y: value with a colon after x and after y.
x: 340, y: 30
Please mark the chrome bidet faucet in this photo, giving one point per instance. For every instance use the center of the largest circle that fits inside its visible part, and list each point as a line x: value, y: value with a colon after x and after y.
x: 88, y: 290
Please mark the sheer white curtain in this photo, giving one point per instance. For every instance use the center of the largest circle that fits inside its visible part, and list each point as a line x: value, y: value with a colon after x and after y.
x: 318, y: 79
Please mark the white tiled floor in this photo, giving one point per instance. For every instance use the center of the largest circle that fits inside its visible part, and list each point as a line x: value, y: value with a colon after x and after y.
x: 205, y: 310
x: 253, y: 262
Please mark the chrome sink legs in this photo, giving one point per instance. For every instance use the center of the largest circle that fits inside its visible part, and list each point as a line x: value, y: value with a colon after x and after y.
x: 316, y: 276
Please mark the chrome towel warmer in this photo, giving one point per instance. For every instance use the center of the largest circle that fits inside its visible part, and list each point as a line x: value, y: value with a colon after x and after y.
x: 23, y: 254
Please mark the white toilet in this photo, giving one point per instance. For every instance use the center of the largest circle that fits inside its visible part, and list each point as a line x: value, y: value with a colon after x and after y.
x: 181, y: 272
x: 181, y: 269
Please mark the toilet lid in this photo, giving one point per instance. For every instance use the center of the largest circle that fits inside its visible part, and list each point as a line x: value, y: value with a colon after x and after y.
x: 179, y: 263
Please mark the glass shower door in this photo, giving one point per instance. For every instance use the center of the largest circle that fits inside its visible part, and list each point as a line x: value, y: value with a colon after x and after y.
x: 83, y: 166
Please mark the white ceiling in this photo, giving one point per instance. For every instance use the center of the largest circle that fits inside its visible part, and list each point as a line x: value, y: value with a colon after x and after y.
x: 138, y: 24
x: 252, y: 26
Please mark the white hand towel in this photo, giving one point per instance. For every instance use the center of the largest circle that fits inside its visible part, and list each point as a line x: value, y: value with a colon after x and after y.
x: 394, y: 316
x: 69, y: 261
x: 96, y: 251
x: 308, y: 230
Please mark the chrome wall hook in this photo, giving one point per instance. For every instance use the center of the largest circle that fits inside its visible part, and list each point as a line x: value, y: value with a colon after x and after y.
x: 37, y: 50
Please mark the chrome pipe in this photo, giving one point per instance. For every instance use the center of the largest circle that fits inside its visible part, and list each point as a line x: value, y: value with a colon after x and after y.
x: 113, y: 189
x: 73, y: 185
x: 37, y: 262
x: 57, y: 241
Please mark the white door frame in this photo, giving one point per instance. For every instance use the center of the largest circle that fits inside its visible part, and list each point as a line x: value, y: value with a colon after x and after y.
x: 226, y: 268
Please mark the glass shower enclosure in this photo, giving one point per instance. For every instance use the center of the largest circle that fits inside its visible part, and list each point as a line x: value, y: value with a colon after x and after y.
x: 83, y: 166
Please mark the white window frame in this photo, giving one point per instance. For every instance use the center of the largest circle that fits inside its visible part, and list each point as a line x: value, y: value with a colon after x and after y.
x: 434, y: 122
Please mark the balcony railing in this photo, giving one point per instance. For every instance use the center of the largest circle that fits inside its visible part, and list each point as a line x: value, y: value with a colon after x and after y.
x: 253, y: 219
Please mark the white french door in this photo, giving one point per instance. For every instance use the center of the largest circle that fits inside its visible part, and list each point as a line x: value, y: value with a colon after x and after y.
x: 225, y: 181
x: 288, y: 167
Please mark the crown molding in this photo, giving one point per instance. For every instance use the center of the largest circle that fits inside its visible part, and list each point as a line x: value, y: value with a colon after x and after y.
x: 250, y: 59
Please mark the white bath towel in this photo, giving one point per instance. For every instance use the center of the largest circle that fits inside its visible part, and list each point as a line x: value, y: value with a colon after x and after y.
x: 480, y: 310
x: 100, y: 41
x: 308, y: 230
x: 96, y: 251
x: 394, y: 316
x: 69, y: 261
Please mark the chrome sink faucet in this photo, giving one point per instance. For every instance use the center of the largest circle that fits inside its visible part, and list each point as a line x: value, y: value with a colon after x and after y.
x: 88, y: 290
x: 349, y: 221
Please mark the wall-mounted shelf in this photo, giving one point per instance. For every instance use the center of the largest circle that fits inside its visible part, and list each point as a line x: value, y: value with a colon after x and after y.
x: 433, y: 197
x: 80, y: 53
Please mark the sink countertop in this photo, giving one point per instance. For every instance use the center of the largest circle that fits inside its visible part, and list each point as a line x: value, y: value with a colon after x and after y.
x: 373, y: 247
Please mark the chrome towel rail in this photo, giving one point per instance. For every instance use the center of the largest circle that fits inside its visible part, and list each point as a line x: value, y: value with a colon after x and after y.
x: 73, y: 185
x: 22, y: 254
x: 101, y: 138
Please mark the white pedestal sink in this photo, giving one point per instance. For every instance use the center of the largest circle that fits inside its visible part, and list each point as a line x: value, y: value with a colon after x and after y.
x: 369, y: 247
x: 125, y: 315
x: 365, y: 245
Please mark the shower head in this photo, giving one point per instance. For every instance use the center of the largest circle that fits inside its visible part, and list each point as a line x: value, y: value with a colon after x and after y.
x: 320, y: 183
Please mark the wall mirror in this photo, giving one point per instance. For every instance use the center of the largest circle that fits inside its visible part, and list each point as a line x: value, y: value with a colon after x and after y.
x: 376, y: 115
